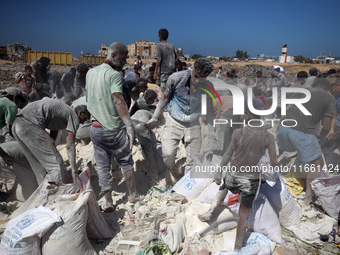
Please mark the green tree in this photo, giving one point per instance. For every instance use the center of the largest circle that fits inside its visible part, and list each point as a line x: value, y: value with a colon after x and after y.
x: 241, y: 54
x: 196, y: 56
x: 224, y: 58
x: 299, y: 59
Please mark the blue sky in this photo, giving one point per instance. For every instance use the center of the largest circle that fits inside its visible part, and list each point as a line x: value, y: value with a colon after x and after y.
x: 217, y: 28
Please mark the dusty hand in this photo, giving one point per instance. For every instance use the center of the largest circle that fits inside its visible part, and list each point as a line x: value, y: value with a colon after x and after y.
x: 218, y: 178
x: 330, y: 136
x: 155, y: 76
x: 152, y: 122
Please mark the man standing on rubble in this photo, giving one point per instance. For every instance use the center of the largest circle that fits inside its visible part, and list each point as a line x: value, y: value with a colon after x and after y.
x: 182, y: 94
x: 112, y: 132
x: 166, y: 58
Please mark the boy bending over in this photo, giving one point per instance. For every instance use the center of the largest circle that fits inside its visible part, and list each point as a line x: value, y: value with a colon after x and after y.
x: 248, y: 145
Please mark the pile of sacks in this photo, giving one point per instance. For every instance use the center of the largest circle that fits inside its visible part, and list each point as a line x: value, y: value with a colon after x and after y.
x: 56, y: 220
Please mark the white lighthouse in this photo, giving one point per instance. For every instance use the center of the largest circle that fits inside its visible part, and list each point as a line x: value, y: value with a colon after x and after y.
x: 284, y: 58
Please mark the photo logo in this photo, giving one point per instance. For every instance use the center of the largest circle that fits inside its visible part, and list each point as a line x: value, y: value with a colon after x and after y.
x: 213, y: 90
x: 239, y: 99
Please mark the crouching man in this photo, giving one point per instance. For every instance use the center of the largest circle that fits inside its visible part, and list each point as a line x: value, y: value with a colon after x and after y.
x: 38, y: 145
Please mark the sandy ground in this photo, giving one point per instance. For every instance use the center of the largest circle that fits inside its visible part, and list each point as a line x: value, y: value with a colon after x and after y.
x: 289, y: 67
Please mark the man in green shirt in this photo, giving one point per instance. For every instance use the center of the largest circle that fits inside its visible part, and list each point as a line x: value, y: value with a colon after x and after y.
x: 11, y: 99
x: 112, y: 131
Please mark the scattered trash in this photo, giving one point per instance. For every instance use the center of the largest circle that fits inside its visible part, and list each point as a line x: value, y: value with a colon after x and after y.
x: 294, y: 185
x: 254, y: 243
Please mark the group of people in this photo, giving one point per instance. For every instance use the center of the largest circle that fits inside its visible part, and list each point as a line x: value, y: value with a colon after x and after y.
x: 311, y: 135
x: 122, y: 106
x: 37, y: 81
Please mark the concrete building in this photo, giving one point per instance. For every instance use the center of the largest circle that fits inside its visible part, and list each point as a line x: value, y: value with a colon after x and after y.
x: 103, y: 51
x: 142, y: 49
x: 323, y: 59
x: 146, y: 49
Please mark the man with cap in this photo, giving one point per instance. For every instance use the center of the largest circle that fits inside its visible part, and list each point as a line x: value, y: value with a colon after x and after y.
x: 310, y: 80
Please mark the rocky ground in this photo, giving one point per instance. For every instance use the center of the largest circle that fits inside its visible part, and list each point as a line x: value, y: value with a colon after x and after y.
x: 8, y: 69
